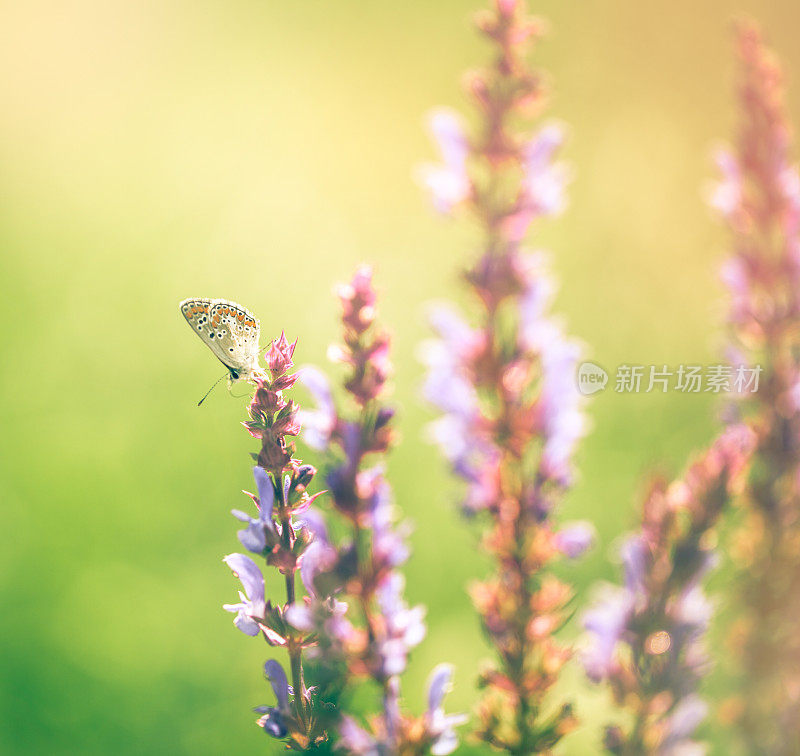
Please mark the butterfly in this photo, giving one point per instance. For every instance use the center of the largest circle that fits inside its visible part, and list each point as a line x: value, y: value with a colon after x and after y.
x: 229, y: 330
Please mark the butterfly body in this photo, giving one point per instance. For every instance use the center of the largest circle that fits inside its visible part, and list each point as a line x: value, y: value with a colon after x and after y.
x: 229, y: 330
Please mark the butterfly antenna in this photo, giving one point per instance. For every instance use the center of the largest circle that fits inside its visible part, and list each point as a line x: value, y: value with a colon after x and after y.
x: 211, y: 389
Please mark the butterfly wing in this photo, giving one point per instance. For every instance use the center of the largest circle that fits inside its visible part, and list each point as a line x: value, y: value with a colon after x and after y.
x: 237, y: 334
x: 229, y: 330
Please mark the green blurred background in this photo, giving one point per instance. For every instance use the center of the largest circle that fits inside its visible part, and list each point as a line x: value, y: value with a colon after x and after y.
x: 257, y: 151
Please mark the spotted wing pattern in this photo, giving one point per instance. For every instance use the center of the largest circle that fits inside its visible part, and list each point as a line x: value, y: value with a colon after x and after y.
x: 229, y: 330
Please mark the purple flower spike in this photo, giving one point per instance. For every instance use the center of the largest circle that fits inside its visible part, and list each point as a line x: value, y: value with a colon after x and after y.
x: 282, y: 483
x: 573, y: 540
x: 758, y: 199
x: 647, y: 637
x: 357, y: 564
x: 506, y: 384
x: 252, y: 602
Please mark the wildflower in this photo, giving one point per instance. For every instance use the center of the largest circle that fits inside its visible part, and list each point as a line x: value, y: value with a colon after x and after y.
x: 273, y: 719
x: 319, y: 424
x: 440, y: 725
x: 759, y: 199
x: 647, y: 638
x: 252, y: 602
x: 282, y: 494
x: 356, y: 609
x: 573, y: 540
x: 512, y: 412
x: 448, y: 183
x: 255, y: 536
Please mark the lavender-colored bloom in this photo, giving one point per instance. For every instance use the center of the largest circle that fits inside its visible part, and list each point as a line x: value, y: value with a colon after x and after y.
x: 317, y: 424
x: 253, y: 537
x: 389, y: 548
x: 574, y: 539
x: 273, y: 719
x: 252, y: 602
x: 606, y: 623
x: 405, y: 627
x: 545, y: 180
x: 320, y: 555
x: 681, y: 724
x: 448, y: 183
x: 450, y: 325
x: 357, y: 741
x: 447, y: 385
x: 280, y: 685
x: 634, y: 563
x: 441, y: 726
x: 694, y: 610
x: 327, y: 618
x: 537, y: 296
x: 560, y: 404
x: 300, y: 616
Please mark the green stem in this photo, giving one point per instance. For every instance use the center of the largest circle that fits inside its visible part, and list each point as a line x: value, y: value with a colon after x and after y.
x: 295, y: 653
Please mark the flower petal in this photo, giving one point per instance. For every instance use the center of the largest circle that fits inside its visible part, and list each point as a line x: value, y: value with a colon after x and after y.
x: 277, y: 678
x: 266, y: 493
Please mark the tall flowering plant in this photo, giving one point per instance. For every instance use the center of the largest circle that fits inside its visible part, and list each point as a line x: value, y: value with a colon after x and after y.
x: 647, y: 637
x: 274, y: 536
x: 355, y: 605
x: 759, y: 199
x: 506, y: 384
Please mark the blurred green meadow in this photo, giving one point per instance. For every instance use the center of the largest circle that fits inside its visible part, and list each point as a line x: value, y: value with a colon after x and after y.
x: 257, y: 151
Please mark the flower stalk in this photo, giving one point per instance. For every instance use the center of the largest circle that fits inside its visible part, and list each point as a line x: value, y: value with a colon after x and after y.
x: 647, y: 639
x: 361, y: 572
x: 282, y: 482
x: 506, y: 385
x: 759, y: 200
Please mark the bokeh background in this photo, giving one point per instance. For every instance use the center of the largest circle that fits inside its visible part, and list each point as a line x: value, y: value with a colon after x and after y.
x: 257, y: 151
